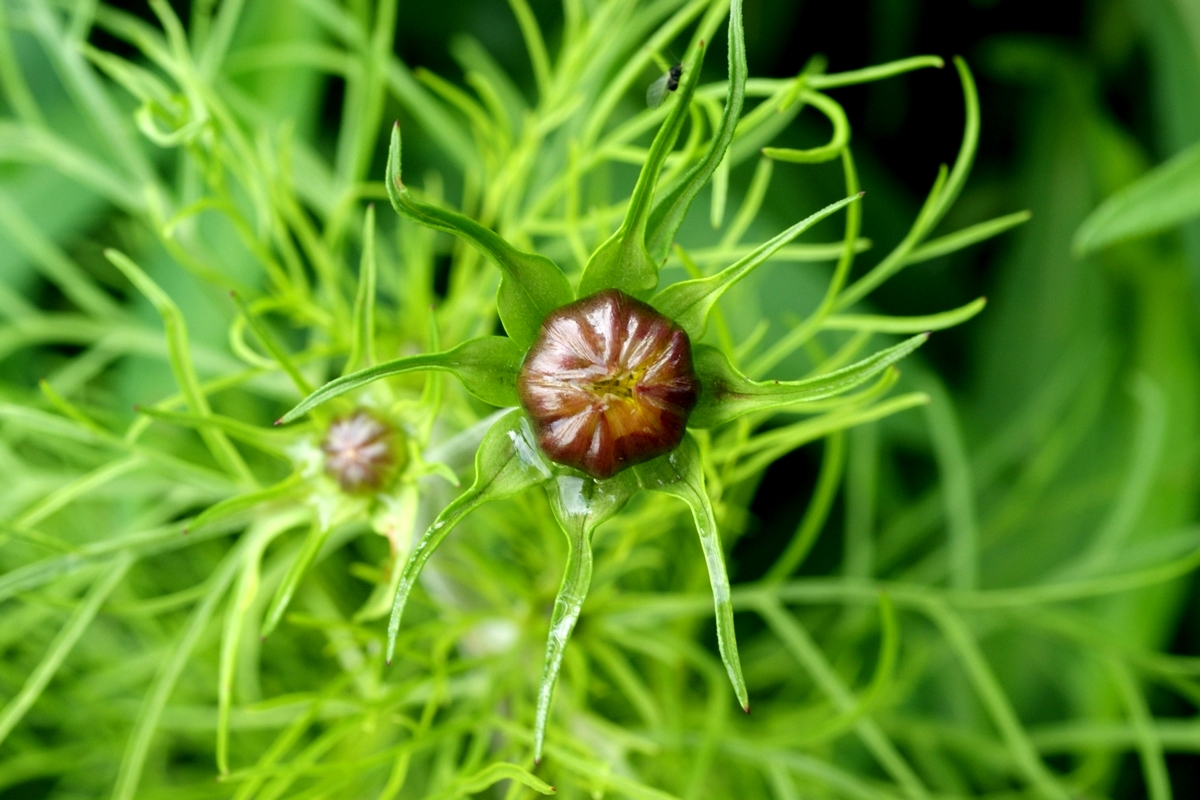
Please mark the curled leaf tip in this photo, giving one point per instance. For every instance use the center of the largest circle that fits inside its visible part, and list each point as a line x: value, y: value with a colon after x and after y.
x: 278, y: 422
x: 746, y: 708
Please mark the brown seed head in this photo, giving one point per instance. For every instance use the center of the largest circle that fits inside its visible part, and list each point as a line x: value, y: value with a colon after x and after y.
x: 358, y: 452
x: 608, y: 383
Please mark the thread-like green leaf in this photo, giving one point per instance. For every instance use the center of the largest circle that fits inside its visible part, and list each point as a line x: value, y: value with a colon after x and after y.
x: 180, y: 356
x: 487, y: 367
x: 728, y: 394
x: 317, y: 536
x: 953, y: 242
x: 826, y: 152
x: 668, y: 213
x: 231, y: 506
x: 623, y: 262
x: 490, y: 776
x: 880, y: 323
x: 362, y: 351
x: 81, y: 617
x: 689, y: 302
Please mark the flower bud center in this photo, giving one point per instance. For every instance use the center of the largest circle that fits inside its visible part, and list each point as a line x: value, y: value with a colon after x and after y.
x: 359, y: 452
x: 608, y: 383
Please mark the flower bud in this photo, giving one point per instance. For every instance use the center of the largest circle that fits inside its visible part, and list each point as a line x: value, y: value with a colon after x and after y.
x: 608, y: 383
x: 359, y: 452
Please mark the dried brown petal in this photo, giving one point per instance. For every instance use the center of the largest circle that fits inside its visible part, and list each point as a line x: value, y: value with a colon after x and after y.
x: 358, y: 452
x: 608, y: 383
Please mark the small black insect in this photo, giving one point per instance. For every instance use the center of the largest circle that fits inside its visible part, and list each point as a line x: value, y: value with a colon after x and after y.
x: 668, y: 83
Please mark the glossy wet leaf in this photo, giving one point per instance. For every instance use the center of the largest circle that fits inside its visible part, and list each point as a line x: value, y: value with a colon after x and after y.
x: 623, y: 261
x: 728, y: 394
x: 506, y: 464
x: 681, y: 475
x: 487, y: 367
x: 531, y: 286
x: 689, y: 302
x: 668, y: 213
x: 580, y: 504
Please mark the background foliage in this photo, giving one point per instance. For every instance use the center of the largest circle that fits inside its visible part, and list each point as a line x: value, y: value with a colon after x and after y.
x: 1033, y: 524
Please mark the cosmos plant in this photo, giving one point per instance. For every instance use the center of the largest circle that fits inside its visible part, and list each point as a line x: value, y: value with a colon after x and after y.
x: 612, y: 388
x: 609, y: 386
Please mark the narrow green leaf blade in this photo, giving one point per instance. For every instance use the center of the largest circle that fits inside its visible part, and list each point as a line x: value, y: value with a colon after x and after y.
x: 317, y: 536
x: 180, y: 356
x: 490, y: 776
x: 689, y: 302
x: 826, y: 152
x: 487, y: 367
x: 531, y: 285
x: 362, y: 349
x: 507, y: 463
x: 232, y: 506
x: 669, y: 211
x: 1160, y: 199
x: 681, y: 474
x: 81, y: 617
x: 623, y: 262
x: 727, y: 394
x: 952, y: 242
x: 884, y: 324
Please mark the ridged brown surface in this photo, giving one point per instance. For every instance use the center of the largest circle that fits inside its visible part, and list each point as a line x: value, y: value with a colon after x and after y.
x: 608, y: 383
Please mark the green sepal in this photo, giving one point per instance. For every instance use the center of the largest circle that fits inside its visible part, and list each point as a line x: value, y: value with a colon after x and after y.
x: 689, y: 302
x: 580, y: 504
x: 669, y: 211
x: 487, y: 367
x: 727, y: 394
x: 507, y: 463
x: 681, y: 474
x: 531, y: 286
x: 623, y: 261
